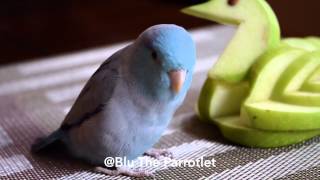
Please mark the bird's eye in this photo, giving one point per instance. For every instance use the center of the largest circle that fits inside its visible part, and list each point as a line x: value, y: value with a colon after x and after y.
x: 155, y: 57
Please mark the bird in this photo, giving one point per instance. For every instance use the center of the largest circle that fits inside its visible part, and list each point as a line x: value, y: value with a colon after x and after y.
x: 129, y: 100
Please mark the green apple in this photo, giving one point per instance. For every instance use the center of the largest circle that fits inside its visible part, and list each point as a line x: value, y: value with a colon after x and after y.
x: 314, y: 40
x: 313, y: 83
x: 258, y: 29
x: 221, y: 99
x: 301, y: 43
x: 289, y: 84
x: 266, y: 72
x: 308, y: 44
x: 224, y: 84
x: 265, y: 113
x: 315, y: 76
x: 311, y: 87
x: 301, y: 98
x: 278, y: 116
x: 234, y: 130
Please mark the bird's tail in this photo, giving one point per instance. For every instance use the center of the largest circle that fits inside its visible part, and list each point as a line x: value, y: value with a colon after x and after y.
x: 42, y: 143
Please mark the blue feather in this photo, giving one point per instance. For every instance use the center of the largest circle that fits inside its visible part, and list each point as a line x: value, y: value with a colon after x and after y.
x: 128, y: 103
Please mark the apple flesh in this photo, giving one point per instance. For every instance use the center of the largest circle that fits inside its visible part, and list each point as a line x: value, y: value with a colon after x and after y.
x: 314, y: 40
x: 234, y: 130
x: 258, y: 29
x: 226, y: 86
x: 311, y: 87
x: 308, y: 44
x: 315, y: 76
x: 262, y: 109
x: 305, y: 44
x: 288, y: 86
x: 221, y: 99
x: 313, y: 83
x: 262, y: 122
x: 278, y: 116
x: 268, y: 70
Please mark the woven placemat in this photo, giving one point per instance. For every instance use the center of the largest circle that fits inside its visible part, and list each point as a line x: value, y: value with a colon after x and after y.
x: 35, y: 96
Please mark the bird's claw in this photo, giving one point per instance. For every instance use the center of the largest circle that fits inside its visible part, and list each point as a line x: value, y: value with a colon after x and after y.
x: 157, y: 153
x: 124, y: 171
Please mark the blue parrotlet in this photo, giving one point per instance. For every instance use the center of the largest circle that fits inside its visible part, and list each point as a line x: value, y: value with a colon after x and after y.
x: 129, y: 101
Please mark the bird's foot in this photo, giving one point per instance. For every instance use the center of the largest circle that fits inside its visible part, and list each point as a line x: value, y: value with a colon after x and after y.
x: 157, y: 153
x: 124, y: 171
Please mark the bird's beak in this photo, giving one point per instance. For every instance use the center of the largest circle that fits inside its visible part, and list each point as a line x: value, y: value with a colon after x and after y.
x: 177, y: 78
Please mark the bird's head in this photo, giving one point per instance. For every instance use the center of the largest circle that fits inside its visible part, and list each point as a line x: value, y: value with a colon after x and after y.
x: 164, y: 58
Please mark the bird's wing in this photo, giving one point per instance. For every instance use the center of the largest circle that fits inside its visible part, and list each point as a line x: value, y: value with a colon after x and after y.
x: 96, y: 93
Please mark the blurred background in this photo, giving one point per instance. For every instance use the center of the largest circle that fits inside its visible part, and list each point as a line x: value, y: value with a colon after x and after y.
x: 39, y: 28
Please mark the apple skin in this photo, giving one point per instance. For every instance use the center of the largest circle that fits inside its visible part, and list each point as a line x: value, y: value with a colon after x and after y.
x: 235, y: 131
x: 315, y: 76
x: 228, y: 76
x: 306, y: 44
x: 287, y: 47
x: 311, y: 87
x: 228, y: 83
x: 250, y: 16
x: 313, y: 83
x: 301, y: 98
x: 262, y: 112
x: 289, y: 84
x: 268, y: 69
x: 262, y: 108
x: 277, y: 116
x: 314, y: 40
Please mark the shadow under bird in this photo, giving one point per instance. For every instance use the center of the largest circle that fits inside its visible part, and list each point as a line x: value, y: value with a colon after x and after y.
x: 129, y: 101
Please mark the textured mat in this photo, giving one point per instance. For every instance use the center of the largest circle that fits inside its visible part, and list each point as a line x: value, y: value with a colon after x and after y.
x: 35, y: 96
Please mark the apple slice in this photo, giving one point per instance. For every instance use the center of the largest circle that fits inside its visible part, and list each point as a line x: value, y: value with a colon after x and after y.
x: 234, y: 130
x: 314, y: 40
x: 301, y: 43
x: 311, y: 87
x: 264, y: 113
x: 313, y: 83
x: 221, y: 99
x: 315, y: 76
x: 288, y: 85
x: 301, y: 98
x: 266, y: 72
x: 278, y: 116
x: 258, y: 29
x: 233, y: 65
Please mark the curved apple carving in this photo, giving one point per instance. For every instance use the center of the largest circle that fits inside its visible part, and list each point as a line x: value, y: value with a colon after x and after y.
x: 258, y: 30
x: 236, y: 131
x: 313, y: 83
x: 277, y: 103
x: 279, y: 110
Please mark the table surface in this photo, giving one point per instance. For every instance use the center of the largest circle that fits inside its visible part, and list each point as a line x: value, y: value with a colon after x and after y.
x: 35, y: 96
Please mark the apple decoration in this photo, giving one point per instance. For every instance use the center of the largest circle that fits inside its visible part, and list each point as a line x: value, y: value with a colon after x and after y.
x: 276, y: 102
x: 229, y: 75
x: 236, y: 131
x: 262, y: 92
